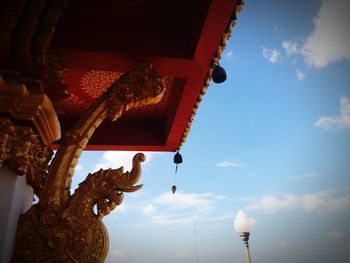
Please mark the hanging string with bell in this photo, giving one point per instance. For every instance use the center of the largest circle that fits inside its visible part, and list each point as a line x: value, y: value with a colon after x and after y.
x: 173, y: 188
x: 177, y: 161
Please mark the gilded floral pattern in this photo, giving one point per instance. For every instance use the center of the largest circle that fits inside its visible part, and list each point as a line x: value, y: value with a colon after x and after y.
x: 95, y: 82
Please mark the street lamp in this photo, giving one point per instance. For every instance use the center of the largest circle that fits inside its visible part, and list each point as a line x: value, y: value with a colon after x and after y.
x: 243, y: 225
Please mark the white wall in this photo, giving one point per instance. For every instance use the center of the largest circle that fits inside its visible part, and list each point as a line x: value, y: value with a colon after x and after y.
x: 16, y: 197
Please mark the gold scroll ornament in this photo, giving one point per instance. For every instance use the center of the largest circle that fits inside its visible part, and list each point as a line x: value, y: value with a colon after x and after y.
x: 64, y: 227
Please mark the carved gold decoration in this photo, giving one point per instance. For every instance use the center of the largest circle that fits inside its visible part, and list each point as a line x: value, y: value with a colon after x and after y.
x: 22, y: 151
x: 16, y: 100
x: 8, y: 20
x: 46, y: 30
x: 25, y: 28
x: 48, y: 233
x: 63, y: 227
x: 56, y: 70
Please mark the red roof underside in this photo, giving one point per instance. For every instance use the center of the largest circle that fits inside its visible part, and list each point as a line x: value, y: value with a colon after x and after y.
x: 99, y: 42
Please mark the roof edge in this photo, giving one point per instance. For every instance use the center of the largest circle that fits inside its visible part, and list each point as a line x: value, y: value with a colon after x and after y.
x: 215, y: 60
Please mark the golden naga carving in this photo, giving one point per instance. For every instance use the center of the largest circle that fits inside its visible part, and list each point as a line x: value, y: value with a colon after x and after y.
x: 64, y: 227
x: 50, y: 233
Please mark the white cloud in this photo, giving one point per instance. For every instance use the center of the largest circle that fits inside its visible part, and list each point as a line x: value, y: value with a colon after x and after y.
x: 312, y: 174
x: 79, y: 168
x: 218, y: 218
x: 227, y: 163
x: 277, y: 29
x: 272, y: 203
x: 149, y: 209
x: 116, y: 159
x: 185, y: 201
x: 319, y: 203
x: 121, y: 207
x: 229, y: 54
x: 336, y: 122
x: 300, y: 75
x: 291, y: 48
x: 182, y: 208
x: 335, y: 234
x: 116, y: 255
x: 271, y: 55
x: 330, y: 40
x: 220, y: 197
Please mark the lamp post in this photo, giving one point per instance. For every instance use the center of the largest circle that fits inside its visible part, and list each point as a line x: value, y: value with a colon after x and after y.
x: 243, y: 225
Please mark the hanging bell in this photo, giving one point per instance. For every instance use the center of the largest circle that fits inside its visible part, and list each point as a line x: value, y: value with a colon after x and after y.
x: 219, y: 74
x: 177, y: 161
x: 177, y: 158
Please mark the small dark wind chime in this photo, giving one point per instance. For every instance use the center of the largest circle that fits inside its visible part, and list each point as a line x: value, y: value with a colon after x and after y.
x: 177, y: 161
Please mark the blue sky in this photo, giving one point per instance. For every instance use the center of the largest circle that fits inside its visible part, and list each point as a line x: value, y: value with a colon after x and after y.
x: 273, y: 140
